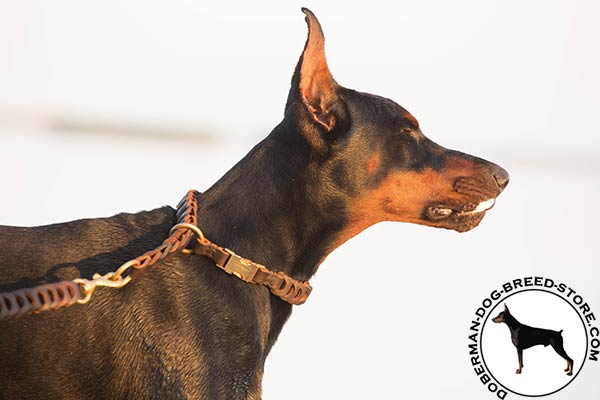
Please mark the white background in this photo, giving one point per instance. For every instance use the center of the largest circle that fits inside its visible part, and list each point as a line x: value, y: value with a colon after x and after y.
x: 97, y: 98
x: 543, y: 369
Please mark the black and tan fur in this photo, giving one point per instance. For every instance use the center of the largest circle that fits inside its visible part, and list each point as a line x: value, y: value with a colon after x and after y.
x: 339, y: 161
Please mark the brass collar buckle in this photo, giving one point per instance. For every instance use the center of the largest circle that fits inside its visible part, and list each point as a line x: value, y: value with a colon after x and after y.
x: 240, y: 267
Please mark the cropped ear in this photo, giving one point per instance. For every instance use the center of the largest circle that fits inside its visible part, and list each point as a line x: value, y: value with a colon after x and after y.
x: 506, y: 308
x: 312, y: 84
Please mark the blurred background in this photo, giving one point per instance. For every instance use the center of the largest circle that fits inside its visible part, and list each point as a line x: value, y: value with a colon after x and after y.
x: 111, y: 106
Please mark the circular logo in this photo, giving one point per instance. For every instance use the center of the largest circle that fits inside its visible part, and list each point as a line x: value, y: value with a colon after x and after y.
x: 536, y: 346
x: 532, y: 337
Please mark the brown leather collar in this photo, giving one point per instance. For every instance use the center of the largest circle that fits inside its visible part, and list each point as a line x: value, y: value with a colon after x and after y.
x: 280, y: 284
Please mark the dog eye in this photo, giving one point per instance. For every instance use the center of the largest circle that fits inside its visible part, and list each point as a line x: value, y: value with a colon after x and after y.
x: 410, y: 133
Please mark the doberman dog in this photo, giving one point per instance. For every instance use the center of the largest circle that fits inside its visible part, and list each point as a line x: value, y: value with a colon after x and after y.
x: 339, y: 161
x: 524, y: 337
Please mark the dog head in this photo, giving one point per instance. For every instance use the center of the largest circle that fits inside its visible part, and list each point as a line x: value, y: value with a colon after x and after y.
x: 503, y: 316
x: 372, y: 151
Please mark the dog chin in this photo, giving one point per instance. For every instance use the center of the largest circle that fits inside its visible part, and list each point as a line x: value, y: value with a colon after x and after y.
x: 466, y: 223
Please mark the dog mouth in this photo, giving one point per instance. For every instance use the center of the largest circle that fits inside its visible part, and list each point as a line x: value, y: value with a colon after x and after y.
x: 461, y: 218
x: 441, y: 212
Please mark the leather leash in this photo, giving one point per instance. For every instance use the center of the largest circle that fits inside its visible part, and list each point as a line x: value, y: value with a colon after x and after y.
x: 53, y: 296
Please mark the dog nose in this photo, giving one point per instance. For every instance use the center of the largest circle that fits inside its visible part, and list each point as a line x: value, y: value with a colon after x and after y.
x: 501, y: 176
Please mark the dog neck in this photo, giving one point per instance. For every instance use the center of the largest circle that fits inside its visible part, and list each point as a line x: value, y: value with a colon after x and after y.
x: 512, y: 322
x: 275, y: 207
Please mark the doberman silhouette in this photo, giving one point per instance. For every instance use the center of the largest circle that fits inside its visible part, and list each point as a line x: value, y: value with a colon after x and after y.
x: 524, y: 337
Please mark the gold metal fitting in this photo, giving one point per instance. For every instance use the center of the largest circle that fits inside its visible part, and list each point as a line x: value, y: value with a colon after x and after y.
x: 118, y: 274
x: 108, y: 280
x: 191, y: 227
x: 240, y: 267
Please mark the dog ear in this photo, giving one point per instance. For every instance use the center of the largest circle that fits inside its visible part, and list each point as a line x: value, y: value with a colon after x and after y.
x: 313, y: 87
x: 506, y: 308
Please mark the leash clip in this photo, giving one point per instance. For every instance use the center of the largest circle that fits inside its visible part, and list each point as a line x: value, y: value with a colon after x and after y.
x: 108, y: 280
x: 240, y: 267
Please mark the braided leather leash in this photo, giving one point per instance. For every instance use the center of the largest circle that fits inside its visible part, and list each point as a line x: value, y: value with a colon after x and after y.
x: 53, y: 296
